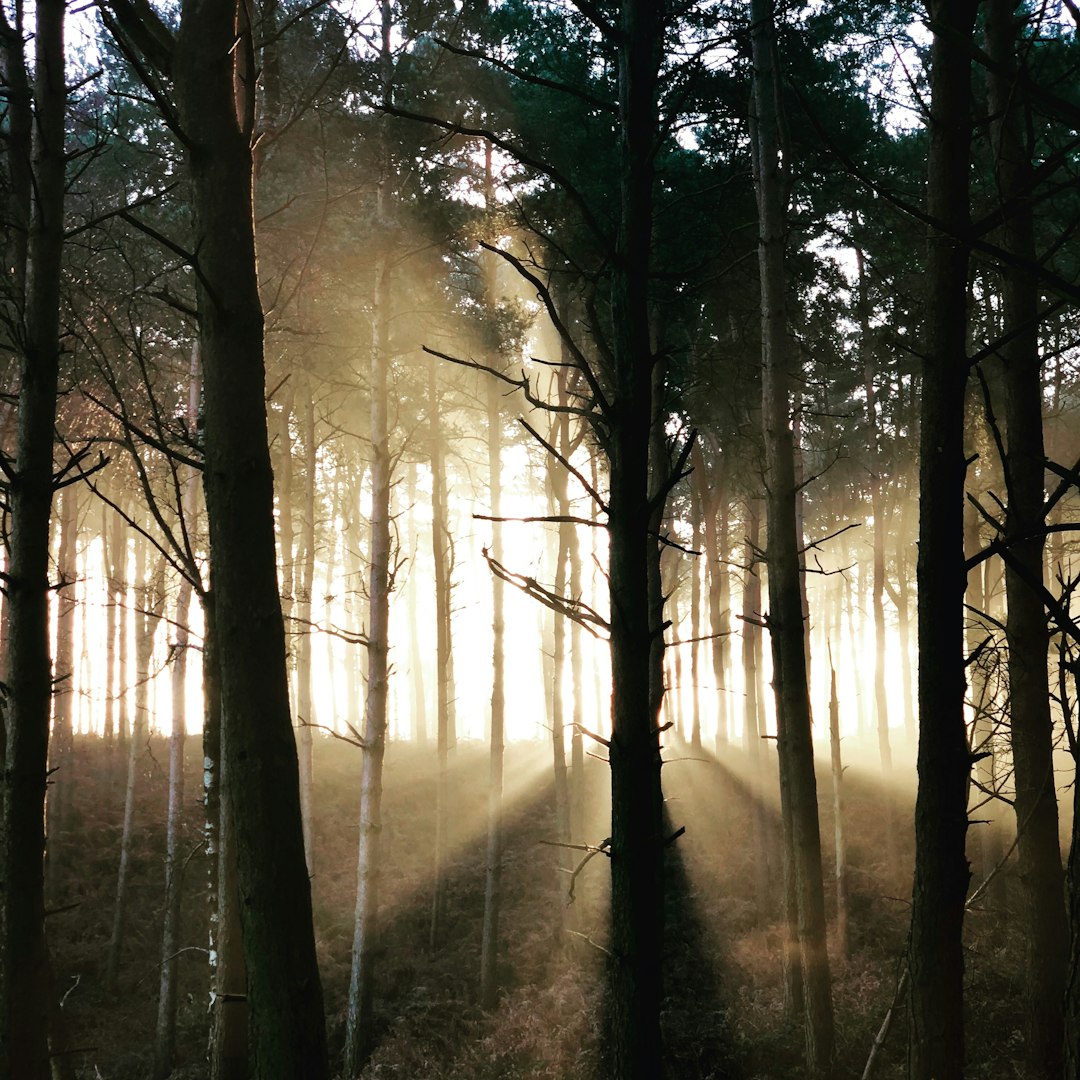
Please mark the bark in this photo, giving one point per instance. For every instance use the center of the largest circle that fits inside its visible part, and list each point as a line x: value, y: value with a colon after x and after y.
x: 228, y: 977
x: 260, y: 776
x: 637, y: 834
x: 798, y: 784
x: 696, y: 499
x: 25, y: 991
x: 1027, y: 632
x: 764, y: 842
x: 936, y: 995
x: 359, y: 1036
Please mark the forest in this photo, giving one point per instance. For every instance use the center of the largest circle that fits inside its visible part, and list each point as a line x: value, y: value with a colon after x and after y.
x: 539, y: 539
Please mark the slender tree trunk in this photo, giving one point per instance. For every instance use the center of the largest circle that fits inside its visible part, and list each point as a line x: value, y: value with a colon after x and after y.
x: 260, y: 777
x: 419, y: 688
x: 228, y: 975
x: 118, y: 586
x: 25, y: 982
x: 1027, y: 633
x: 165, y: 1038
x: 150, y: 593
x: 109, y: 730
x: 63, y: 733
x: 359, y: 1037
x: 440, y: 546
x: 842, y: 944
x: 489, y: 982
x: 877, y: 509
x: 798, y: 785
x: 304, y: 674
x: 936, y: 958
x: 764, y: 844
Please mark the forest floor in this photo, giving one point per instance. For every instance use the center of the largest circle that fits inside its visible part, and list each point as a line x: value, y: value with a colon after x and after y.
x: 724, y: 1015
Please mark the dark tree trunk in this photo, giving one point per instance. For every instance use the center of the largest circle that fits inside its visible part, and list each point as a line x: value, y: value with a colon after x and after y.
x: 637, y: 838
x: 936, y: 959
x: 260, y: 776
x: 1027, y: 633
x: 798, y: 784
x: 25, y: 992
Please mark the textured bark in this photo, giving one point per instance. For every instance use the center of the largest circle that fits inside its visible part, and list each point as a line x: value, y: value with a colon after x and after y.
x: 637, y: 892
x: 1027, y: 633
x: 798, y: 784
x: 260, y: 781
x: 25, y: 991
x: 936, y: 960
x: 228, y: 980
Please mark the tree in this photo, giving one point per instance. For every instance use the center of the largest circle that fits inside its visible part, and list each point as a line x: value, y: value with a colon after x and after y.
x: 34, y: 314
x: 936, y: 959
x: 1027, y: 631
x: 798, y: 785
x: 210, y: 62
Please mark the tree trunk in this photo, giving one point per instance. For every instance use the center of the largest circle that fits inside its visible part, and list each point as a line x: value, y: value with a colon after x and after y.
x: 359, y: 1037
x: 63, y: 733
x: 165, y: 1038
x: 228, y: 976
x: 1027, y: 633
x: 697, y: 482
x: 842, y: 945
x: 260, y: 781
x: 936, y: 959
x: 165, y: 1041
x: 489, y: 982
x: 418, y: 698
x: 150, y: 603
x: 637, y: 833
x: 798, y: 785
x: 877, y: 509
x: 440, y: 545
x: 304, y: 675
x: 25, y: 990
